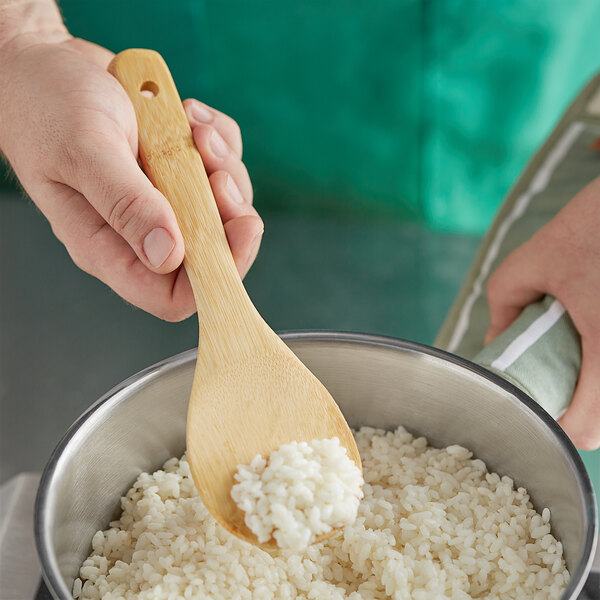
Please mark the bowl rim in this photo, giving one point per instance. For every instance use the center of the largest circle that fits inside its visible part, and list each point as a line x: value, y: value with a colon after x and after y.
x: 50, y: 571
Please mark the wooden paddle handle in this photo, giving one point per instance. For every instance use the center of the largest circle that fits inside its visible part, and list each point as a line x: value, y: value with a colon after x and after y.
x: 173, y: 164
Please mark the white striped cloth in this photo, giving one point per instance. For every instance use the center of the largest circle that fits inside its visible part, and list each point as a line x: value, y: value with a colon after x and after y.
x: 540, y: 353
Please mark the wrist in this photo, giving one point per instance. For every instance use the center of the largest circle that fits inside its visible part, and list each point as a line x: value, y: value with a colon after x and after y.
x: 23, y: 24
x: 27, y: 22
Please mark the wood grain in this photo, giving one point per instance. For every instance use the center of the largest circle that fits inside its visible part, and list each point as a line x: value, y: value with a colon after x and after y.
x: 250, y: 393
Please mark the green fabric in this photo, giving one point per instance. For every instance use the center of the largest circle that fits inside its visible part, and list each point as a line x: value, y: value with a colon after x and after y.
x: 498, y: 77
x: 408, y: 109
x: 578, y: 167
x: 563, y: 165
x: 544, y: 365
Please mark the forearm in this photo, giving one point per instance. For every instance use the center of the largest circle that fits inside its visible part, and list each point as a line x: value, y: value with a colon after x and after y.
x: 24, y: 22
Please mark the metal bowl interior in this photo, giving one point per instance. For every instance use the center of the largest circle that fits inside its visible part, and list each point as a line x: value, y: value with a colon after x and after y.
x: 377, y: 381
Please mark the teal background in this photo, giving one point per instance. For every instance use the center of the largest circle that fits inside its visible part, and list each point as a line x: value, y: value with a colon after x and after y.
x: 424, y: 110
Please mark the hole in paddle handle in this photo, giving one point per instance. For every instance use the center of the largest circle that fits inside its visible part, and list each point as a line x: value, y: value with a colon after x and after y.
x: 149, y: 89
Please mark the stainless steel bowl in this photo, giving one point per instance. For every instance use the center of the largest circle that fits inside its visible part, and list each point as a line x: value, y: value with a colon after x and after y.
x: 377, y: 381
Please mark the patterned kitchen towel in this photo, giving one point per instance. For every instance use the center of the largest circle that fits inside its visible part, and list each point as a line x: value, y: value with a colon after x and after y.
x: 540, y: 353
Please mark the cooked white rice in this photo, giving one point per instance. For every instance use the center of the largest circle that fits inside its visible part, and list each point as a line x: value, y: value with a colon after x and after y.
x: 301, y: 491
x: 433, y: 524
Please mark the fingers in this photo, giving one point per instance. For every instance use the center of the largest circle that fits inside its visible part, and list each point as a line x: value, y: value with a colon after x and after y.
x: 581, y: 422
x: 243, y: 226
x: 517, y: 282
x: 244, y: 235
x: 97, y: 249
x: 108, y: 175
x: 230, y: 200
x: 219, y: 141
x: 527, y: 274
x: 217, y: 155
x: 200, y: 114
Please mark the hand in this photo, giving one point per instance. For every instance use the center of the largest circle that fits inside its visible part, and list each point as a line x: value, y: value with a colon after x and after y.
x: 561, y: 259
x: 69, y: 132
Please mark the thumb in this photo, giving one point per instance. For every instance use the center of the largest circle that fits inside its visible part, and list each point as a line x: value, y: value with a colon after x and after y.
x: 516, y: 283
x: 581, y: 422
x: 114, y: 184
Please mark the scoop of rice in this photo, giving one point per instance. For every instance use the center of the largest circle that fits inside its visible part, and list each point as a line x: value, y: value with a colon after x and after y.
x: 302, y: 491
x: 433, y: 524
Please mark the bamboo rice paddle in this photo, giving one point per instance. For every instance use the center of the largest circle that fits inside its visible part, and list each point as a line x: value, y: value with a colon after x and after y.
x: 250, y: 393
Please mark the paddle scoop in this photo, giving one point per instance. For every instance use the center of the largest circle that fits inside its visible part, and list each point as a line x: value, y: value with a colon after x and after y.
x: 250, y: 393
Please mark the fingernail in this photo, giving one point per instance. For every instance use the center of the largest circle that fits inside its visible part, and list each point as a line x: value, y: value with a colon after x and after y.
x: 158, y: 244
x: 234, y: 191
x: 218, y: 145
x: 196, y: 112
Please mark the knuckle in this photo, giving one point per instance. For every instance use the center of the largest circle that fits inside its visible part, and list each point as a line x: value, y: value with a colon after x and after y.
x: 218, y: 179
x: 209, y: 129
x: 236, y: 131
x: 81, y: 260
x: 202, y: 135
x: 560, y: 285
x: 125, y: 214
